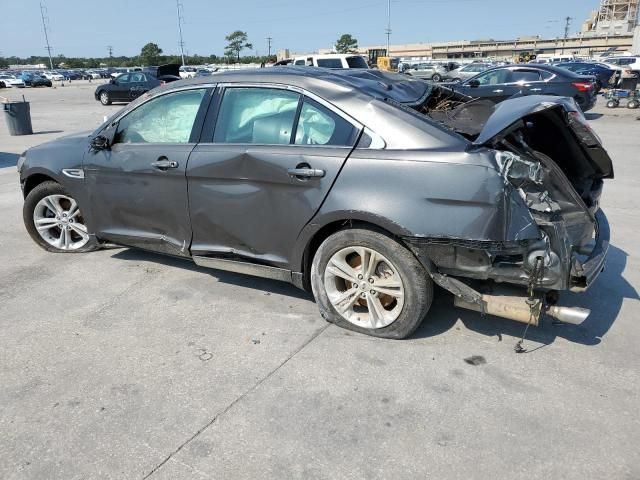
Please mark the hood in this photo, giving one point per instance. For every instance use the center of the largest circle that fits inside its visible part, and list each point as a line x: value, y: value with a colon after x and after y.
x: 509, y: 115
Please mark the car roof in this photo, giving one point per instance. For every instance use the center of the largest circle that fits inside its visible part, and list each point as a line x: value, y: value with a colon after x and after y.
x: 327, y: 83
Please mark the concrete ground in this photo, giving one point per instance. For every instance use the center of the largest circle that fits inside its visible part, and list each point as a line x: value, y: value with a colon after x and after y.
x: 123, y: 364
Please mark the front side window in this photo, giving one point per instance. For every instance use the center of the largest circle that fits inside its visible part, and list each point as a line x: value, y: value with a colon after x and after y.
x: 124, y: 78
x: 299, y: 62
x: 256, y: 115
x: 494, y: 77
x: 165, y: 119
x: 320, y: 126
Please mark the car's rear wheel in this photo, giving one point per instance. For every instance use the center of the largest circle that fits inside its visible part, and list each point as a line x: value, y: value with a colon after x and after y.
x: 367, y: 282
x: 436, y: 77
x: 105, y: 98
x: 54, y: 220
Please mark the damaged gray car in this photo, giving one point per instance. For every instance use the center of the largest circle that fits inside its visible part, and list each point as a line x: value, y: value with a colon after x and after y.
x: 364, y: 187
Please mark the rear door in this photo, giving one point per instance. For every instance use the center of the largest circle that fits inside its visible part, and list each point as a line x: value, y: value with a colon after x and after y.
x: 528, y: 81
x: 260, y: 175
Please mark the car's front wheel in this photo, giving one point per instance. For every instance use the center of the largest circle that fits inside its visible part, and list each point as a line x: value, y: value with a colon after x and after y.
x: 436, y: 77
x: 54, y: 220
x: 105, y: 99
x: 365, y: 281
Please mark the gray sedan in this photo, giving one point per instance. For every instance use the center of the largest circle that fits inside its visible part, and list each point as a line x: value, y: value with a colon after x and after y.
x: 343, y: 184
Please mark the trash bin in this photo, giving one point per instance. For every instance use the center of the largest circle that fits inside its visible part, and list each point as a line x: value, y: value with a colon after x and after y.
x: 18, y: 117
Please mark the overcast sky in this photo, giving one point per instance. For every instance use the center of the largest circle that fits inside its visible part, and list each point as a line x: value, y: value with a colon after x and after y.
x: 86, y: 27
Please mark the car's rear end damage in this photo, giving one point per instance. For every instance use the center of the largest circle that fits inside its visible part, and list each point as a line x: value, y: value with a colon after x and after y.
x: 552, y: 166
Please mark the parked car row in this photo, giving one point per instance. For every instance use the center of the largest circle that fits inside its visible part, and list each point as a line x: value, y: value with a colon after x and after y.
x: 130, y: 85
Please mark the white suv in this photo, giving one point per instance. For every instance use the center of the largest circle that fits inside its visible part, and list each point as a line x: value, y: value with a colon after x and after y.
x: 332, y: 60
x: 632, y: 62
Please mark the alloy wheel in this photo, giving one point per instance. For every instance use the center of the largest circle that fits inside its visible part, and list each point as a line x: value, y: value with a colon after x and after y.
x: 59, y: 222
x: 364, y: 287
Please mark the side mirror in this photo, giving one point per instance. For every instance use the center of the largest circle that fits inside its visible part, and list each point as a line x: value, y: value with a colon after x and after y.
x: 112, y: 80
x: 473, y: 83
x: 100, y: 143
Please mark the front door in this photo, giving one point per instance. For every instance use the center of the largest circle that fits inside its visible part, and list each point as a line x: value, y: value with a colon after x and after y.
x: 264, y: 172
x: 492, y: 85
x: 138, y: 186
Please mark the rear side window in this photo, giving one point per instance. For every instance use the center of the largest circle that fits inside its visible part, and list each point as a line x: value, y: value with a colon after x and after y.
x: 525, y: 76
x: 329, y: 62
x: 357, y: 62
x: 320, y: 126
x: 256, y: 115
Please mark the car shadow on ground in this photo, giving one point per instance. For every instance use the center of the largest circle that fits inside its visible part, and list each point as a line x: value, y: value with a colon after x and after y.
x: 593, y: 116
x: 8, y: 159
x: 604, y: 299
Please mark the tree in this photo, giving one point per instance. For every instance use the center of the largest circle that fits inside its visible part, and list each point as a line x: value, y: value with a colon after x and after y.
x: 346, y: 44
x: 236, y: 42
x: 150, y: 53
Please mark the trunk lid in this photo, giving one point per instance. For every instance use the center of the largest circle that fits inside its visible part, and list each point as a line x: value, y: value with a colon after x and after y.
x: 588, y: 154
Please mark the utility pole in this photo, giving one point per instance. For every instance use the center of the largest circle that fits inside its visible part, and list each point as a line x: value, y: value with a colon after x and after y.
x: 567, y: 25
x: 43, y: 9
x: 388, y: 30
x: 269, y: 43
x: 110, y: 50
x: 180, y: 21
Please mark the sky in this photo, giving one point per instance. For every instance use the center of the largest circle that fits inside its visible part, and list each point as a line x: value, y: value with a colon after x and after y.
x: 87, y: 27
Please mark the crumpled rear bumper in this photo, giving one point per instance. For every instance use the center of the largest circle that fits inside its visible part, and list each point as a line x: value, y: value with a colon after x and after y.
x: 584, y: 273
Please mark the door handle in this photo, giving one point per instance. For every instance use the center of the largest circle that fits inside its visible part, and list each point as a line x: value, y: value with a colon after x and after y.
x: 305, y: 172
x: 498, y: 91
x: 163, y: 163
x: 535, y: 89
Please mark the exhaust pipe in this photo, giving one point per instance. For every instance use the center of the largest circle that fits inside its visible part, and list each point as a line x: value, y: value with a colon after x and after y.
x: 517, y: 308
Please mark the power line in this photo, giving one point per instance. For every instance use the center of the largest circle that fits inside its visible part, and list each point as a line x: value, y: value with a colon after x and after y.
x: 45, y: 20
x: 179, y: 8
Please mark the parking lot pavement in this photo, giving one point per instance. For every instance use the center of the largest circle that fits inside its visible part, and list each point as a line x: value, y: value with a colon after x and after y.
x: 124, y: 364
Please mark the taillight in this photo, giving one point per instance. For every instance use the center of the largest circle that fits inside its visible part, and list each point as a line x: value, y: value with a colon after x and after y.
x: 582, y: 86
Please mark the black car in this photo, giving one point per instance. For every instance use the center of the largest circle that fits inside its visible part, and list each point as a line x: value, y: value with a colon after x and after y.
x: 129, y: 86
x: 498, y: 84
x: 602, y: 73
x: 340, y: 183
x: 35, y: 80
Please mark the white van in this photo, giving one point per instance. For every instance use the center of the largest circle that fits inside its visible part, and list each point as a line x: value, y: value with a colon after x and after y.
x: 332, y: 60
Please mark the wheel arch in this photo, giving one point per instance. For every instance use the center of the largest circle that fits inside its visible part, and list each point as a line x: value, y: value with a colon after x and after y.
x: 313, y: 236
x: 32, y: 181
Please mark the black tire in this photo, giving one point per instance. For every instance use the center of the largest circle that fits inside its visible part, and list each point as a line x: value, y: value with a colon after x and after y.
x: 105, y: 98
x: 38, y: 193
x: 418, y: 286
x: 436, y: 77
x: 633, y: 104
x: 612, y: 104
